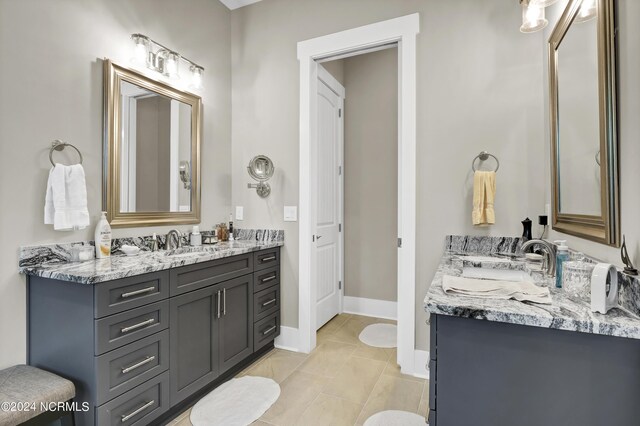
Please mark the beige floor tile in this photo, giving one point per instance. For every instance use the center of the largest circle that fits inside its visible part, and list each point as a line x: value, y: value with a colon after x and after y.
x: 392, y: 393
x: 356, y: 379
x: 327, y: 358
x: 370, y: 352
x: 278, y: 366
x: 330, y: 410
x: 423, y: 408
x: 297, y: 392
x: 261, y: 423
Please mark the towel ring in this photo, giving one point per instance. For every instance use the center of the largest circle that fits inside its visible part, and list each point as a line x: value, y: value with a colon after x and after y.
x: 58, y: 145
x: 484, y: 156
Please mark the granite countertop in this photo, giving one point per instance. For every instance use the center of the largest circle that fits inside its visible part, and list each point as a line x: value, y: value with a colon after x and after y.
x: 121, y: 266
x: 564, y: 313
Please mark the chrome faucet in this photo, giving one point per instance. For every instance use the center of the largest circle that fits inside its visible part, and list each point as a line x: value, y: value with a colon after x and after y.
x: 549, y: 251
x: 170, y: 244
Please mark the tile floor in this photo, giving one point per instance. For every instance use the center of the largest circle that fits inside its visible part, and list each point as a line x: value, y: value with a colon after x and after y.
x: 342, y: 382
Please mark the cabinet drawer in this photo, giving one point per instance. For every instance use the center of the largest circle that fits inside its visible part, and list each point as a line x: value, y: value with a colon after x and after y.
x: 265, y: 330
x: 193, y: 277
x: 120, y: 329
x: 266, y: 302
x: 137, y: 407
x: 266, y: 278
x: 116, y: 296
x: 267, y: 258
x: 125, y: 368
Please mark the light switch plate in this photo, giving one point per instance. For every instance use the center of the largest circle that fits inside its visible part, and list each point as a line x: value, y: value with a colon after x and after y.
x: 239, y: 213
x: 290, y: 213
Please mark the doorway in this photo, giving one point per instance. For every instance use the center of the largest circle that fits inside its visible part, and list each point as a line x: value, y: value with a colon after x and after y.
x: 402, y: 31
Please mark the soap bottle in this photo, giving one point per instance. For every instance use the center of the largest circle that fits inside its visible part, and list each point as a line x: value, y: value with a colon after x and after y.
x: 231, y: 238
x: 103, y: 237
x: 196, y: 237
x: 562, y: 255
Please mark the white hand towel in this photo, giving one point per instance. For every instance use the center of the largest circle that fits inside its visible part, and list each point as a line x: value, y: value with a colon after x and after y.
x: 492, y: 289
x: 66, y: 200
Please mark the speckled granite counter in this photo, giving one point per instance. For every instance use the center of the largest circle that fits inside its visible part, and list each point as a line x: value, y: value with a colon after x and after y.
x: 52, y: 261
x: 565, y: 313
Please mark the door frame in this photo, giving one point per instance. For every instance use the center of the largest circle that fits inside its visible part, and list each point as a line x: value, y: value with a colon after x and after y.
x: 337, y: 88
x: 403, y: 31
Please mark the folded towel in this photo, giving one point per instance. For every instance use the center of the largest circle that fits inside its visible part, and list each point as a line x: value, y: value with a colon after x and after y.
x: 493, y: 289
x: 484, y: 192
x: 65, y: 204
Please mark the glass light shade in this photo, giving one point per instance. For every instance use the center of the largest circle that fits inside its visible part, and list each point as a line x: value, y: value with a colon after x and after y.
x: 543, y: 3
x: 140, y: 49
x: 196, y: 76
x: 588, y: 11
x: 171, y: 65
x: 532, y: 17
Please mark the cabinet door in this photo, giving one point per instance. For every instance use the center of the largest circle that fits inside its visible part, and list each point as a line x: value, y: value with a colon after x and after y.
x: 194, y: 341
x: 236, y: 321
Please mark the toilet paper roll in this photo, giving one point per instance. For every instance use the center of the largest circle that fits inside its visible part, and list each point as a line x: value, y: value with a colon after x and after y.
x: 604, y: 288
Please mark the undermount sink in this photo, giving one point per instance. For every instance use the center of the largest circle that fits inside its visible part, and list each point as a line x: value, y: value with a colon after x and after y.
x: 496, y: 274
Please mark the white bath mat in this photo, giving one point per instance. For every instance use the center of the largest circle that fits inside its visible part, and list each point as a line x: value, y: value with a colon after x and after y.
x: 380, y: 335
x: 238, y: 402
x: 395, y: 418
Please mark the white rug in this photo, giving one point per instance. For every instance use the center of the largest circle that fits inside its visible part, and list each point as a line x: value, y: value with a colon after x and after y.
x: 238, y: 402
x: 395, y: 418
x: 380, y: 335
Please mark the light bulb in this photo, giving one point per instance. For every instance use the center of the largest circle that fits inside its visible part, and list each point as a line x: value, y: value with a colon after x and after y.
x: 532, y: 17
x: 140, y: 49
x: 171, y: 65
x: 588, y: 11
x: 196, y: 76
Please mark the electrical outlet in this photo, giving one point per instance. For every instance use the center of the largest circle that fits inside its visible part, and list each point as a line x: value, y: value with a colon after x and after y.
x: 290, y: 213
x: 239, y: 213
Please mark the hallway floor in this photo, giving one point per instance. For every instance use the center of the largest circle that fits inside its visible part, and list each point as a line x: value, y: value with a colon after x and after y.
x: 342, y: 382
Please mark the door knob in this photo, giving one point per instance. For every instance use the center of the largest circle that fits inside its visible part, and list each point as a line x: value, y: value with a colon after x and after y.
x: 318, y: 237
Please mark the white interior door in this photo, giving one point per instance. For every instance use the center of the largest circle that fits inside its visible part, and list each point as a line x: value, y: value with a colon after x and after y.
x: 328, y: 241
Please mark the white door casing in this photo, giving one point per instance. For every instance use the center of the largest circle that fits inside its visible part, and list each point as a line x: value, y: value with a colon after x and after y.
x: 402, y: 30
x: 328, y: 243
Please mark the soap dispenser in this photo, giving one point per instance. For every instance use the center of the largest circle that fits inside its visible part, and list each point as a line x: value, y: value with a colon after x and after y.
x: 526, y: 230
x: 562, y: 255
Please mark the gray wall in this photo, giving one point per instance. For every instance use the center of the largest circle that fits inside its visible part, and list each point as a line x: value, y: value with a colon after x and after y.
x: 51, y: 87
x: 628, y: 131
x: 371, y: 174
x: 479, y: 87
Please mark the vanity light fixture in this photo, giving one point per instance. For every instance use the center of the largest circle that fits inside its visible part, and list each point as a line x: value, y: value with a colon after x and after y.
x: 160, y: 58
x: 588, y: 11
x: 532, y: 17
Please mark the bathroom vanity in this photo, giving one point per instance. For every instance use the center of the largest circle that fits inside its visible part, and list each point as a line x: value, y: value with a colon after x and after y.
x: 503, y: 362
x: 143, y: 337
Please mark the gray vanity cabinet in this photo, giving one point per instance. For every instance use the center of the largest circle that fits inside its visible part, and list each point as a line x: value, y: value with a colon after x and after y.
x: 194, y: 341
x: 140, y: 348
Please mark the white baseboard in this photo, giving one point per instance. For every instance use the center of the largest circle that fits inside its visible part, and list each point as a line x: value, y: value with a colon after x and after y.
x: 420, y: 364
x: 370, y: 307
x: 288, y: 339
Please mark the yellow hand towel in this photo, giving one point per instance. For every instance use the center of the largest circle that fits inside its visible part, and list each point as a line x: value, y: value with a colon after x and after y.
x: 484, y: 192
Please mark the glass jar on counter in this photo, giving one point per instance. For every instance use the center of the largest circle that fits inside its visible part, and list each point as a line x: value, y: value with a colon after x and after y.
x: 576, y: 277
x: 222, y: 232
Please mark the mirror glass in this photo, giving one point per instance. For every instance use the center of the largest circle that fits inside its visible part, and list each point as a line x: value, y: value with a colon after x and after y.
x: 261, y: 168
x: 578, y: 121
x: 583, y: 119
x: 155, y: 152
x: 152, y: 151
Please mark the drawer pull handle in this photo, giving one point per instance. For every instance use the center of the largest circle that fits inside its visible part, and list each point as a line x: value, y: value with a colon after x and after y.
x: 269, y: 330
x: 137, y: 326
x: 137, y: 292
x: 271, y: 278
x: 224, y: 302
x: 129, y: 369
x: 137, y: 411
x: 218, y: 305
x: 268, y: 302
x: 267, y: 259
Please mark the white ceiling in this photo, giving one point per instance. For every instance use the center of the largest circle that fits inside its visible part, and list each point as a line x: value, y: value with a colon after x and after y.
x: 234, y: 4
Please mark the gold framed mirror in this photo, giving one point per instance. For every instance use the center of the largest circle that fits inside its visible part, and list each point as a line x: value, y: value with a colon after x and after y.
x: 151, y: 151
x: 584, y: 145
